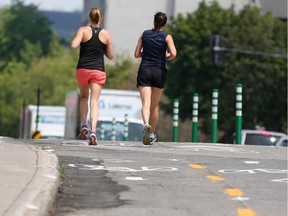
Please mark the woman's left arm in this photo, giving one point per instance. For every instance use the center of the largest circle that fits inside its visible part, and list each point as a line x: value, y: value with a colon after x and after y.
x: 77, y: 39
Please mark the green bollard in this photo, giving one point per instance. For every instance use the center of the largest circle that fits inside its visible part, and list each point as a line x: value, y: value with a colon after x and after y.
x: 214, y: 116
x: 195, y: 117
x: 102, y: 132
x: 238, y: 114
x: 175, y: 120
x: 126, y: 127
x: 113, y: 137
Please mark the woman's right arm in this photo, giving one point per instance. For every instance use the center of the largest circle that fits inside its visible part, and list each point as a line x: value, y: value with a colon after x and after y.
x: 109, y: 52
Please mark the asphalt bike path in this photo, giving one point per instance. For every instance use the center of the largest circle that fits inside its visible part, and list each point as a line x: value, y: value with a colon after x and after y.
x: 69, y: 177
x: 128, y: 178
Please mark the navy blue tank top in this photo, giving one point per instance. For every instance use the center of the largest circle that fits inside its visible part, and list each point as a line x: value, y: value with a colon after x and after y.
x: 92, y: 52
x: 154, y: 48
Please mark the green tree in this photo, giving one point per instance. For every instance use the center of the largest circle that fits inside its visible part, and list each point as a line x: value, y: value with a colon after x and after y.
x: 32, y: 57
x: 122, y: 74
x: 191, y: 71
x: 22, y: 27
x: 54, y: 76
x: 264, y: 79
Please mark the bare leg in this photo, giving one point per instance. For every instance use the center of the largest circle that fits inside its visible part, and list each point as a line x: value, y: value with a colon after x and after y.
x: 94, y: 109
x: 83, y: 106
x: 154, y: 110
x: 145, y: 94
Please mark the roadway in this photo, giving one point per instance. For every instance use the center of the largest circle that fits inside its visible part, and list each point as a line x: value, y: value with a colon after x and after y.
x: 128, y: 178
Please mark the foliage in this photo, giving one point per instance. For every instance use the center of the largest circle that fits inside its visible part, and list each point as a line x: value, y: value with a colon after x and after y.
x: 24, y: 33
x: 32, y: 57
x: 263, y: 79
x: 122, y: 73
x: 25, y: 68
x: 54, y: 76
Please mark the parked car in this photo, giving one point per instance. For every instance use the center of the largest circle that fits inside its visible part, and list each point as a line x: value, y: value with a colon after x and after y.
x: 262, y: 137
x: 282, y: 142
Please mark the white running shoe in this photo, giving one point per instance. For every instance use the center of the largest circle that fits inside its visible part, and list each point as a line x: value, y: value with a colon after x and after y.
x: 153, y: 138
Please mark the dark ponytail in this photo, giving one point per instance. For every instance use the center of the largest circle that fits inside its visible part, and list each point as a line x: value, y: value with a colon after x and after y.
x: 160, y: 20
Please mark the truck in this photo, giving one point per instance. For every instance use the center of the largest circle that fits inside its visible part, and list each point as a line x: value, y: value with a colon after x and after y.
x: 50, y: 125
x: 114, y: 105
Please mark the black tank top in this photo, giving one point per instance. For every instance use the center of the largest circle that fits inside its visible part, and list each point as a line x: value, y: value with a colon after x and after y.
x: 92, y: 52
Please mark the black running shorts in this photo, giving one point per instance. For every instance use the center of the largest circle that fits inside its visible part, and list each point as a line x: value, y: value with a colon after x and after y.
x: 151, y: 75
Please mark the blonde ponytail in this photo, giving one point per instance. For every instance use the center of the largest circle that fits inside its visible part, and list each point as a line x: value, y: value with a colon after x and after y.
x: 95, y: 16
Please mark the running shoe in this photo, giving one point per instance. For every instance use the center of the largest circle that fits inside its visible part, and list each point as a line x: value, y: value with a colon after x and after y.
x: 83, y: 133
x: 153, y: 138
x: 92, y: 139
x: 146, y: 134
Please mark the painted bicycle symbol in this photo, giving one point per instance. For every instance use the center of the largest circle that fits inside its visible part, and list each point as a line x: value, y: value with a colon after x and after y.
x: 253, y: 171
x: 121, y: 169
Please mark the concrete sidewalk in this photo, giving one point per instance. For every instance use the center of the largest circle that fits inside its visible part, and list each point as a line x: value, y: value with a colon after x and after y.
x: 29, y: 179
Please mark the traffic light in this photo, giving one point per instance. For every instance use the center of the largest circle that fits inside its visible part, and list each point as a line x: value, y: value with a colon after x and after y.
x: 216, y: 50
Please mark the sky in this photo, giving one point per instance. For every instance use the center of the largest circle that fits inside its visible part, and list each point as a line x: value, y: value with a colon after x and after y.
x: 54, y: 5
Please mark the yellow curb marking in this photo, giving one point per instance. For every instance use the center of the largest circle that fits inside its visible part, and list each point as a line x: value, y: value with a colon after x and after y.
x: 234, y: 192
x: 245, y: 212
x: 215, y: 178
x: 196, y: 166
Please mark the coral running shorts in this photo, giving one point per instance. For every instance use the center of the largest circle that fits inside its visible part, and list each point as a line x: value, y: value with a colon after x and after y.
x: 87, y: 76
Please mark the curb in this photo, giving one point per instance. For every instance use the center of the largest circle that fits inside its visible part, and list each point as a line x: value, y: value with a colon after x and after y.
x: 39, y: 195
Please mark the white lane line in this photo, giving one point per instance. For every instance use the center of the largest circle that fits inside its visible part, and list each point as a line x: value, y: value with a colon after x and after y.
x: 32, y: 207
x: 285, y: 180
x: 252, y: 162
x: 239, y: 198
x: 50, y: 176
x: 114, y: 160
x: 49, y: 150
x: 135, y: 178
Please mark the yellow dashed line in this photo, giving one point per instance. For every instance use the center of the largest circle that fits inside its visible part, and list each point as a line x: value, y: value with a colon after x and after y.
x: 245, y: 212
x: 215, y: 178
x: 234, y: 192
x: 196, y: 166
x: 231, y: 191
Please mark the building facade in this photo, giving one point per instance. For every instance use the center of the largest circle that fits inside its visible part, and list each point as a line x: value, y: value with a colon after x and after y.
x: 127, y: 19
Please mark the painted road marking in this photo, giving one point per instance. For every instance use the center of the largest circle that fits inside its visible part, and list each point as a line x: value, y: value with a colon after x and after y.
x: 114, y: 160
x: 251, y: 162
x: 215, y: 149
x: 135, y: 178
x: 285, y: 180
x: 239, y: 198
x: 234, y: 192
x: 173, y: 159
x: 49, y: 150
x: 32, y: 207
x: 245, y: 212
x: 196, y: 166
x: 121, y: 169
x: 253, y: 171
x: 128, y: 144
x: 215, y: 178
